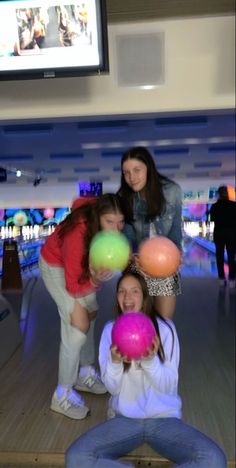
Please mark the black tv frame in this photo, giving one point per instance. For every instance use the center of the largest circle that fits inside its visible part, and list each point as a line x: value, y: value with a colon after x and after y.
x: 65, y: 72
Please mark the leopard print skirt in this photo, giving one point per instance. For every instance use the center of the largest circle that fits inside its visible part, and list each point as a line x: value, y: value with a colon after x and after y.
x: 168, y: 286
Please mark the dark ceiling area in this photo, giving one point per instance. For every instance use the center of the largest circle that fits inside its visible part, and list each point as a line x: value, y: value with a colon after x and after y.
x: 134, y: 10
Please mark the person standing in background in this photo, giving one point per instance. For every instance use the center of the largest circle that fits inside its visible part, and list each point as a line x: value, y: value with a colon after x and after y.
x: 223, y: 214
x: 153, y: 206
x: 66, y: 272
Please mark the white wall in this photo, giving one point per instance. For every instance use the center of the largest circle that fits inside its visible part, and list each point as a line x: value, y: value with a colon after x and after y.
x: 41, y: 196
x: 61, y: 195
x: 199, y: 57
x: 199, y: 62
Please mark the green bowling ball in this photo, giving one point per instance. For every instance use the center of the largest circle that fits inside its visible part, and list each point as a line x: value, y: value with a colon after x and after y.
x: 109, y: 250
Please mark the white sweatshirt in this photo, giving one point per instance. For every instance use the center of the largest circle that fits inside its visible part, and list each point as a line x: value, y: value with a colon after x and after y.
x: 149, y: 389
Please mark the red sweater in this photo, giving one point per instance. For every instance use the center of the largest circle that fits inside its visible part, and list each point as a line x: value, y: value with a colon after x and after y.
x: 67, y: 254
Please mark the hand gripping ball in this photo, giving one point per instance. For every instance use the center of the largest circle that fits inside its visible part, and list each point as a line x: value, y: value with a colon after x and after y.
x: 159, y: 257
x: 133, y: 333
x: 109, y: 250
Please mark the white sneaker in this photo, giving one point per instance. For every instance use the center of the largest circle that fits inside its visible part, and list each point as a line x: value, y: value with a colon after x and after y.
x: 70, y: 404
x: 91, y: 383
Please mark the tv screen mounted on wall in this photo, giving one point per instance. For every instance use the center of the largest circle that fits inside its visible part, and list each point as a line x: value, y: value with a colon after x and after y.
x: 52, y: 38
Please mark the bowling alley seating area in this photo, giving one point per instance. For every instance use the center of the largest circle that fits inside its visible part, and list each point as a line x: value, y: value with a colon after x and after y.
x: 31, y: 435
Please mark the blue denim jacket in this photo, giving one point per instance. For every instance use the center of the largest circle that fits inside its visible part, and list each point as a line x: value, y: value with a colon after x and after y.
x: 168, y: 224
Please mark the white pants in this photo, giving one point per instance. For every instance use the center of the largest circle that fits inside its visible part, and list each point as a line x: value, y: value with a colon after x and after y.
x: 76, y: 348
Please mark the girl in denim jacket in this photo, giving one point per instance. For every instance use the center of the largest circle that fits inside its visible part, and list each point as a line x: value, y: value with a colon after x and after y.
x: 153, y: 205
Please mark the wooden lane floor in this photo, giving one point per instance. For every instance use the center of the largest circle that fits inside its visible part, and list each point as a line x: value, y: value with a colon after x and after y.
x: 33, y: 436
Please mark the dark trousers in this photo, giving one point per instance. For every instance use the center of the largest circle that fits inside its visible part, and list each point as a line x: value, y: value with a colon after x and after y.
x: 225, y: 238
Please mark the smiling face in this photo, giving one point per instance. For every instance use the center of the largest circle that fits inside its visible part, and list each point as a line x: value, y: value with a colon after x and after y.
x: 135, y: 174
x: 130, y: 295
x: 112, y: 221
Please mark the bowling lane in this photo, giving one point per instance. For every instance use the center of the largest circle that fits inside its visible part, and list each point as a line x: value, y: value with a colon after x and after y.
x: 199, y: 250
x: 35, y: 362
x: 198, y: 260
x: 29, y: 241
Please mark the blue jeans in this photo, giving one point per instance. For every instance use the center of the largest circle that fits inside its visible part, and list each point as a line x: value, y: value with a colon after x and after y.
x: 185, y: 446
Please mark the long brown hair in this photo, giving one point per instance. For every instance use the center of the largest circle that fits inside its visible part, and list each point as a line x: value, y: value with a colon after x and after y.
x: 90, y: 213
x: 153, y: 191
x: 147, y: 309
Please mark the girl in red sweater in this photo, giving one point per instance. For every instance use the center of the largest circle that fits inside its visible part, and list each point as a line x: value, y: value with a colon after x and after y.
x: 64, y: 265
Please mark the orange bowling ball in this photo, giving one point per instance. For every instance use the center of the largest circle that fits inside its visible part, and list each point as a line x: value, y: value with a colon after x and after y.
x: 159, y: 257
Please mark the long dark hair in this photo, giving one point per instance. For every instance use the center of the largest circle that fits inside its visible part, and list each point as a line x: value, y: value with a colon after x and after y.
x: 153, y: 192
x: 147, y: 309
x: 90, y: 213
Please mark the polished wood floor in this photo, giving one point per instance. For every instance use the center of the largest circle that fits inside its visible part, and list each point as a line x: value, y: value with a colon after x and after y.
x: 33, y: 436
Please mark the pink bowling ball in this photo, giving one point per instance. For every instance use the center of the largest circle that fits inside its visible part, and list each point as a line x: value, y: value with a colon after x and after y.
x: 133, y: 333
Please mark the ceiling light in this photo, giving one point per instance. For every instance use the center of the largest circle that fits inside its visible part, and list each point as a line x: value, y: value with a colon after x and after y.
x: 147, y: 87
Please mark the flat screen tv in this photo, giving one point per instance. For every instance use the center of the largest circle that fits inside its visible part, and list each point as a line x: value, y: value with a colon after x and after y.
x: 52, y: 38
